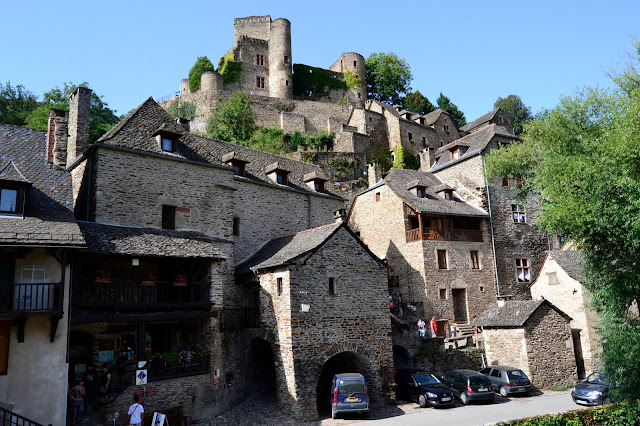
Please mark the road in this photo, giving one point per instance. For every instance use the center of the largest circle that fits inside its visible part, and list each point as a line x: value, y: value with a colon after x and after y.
x: 503, y: 409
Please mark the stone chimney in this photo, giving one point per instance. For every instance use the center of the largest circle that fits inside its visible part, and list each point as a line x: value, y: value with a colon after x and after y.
x: 374, y: 171
x: 79, y: 110
x: 427, y: 158
x: 57, y: 137
x: 340, y: 215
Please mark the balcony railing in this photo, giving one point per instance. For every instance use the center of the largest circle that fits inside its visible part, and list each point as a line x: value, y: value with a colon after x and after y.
x: 30, y: 298
x: 239, y: 319
x: 139, y: 294
x: 159, y: 370
x: 8, y: 418
x: 445, y: 235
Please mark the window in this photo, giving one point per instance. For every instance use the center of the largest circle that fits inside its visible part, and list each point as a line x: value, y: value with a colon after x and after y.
x: 238, y: 169
x: 455, y: 153
x: 279, y: 286
x: 501, y: 119
x: 443, y: 293
x: 260, y: 60
x: 286, y: 82
x: 332, y: 285
x: 286, y: 59
x: 355, y: 64
x: 410, y: 137
x: 5, y: 333
x: 377, y: 196
x: 424, y: 142
x: 505, y: 181
x: 168, y: 217
x: 475, y: 259
x: 32, y: 274
x: 442, y: 259
x: 167, y: 145
x: 448, y: 194
x: 260, y: 82
x: 522, y: 270
x: 318, y: 186
x: 481, y: 289
x: 446, y: 128
x: 495, y: 373
x: 281, y: 178
x: 420, y: 191
x: 520, y: 182
x: 236, y: 226
x: 9, y: 200
x: 553, y: 278
x: 519, y: 215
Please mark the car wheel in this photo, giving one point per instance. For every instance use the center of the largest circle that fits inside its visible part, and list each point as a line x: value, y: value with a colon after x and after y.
x: 464, y: 398
x: 422, y: 400
x: 334, y: 415
x: 503, y: 392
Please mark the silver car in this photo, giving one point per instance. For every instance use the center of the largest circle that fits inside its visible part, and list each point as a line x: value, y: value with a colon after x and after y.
x: 508, y: 380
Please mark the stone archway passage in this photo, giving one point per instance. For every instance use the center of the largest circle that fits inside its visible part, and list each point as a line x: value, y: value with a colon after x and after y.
x: 262, y: 366
x: 343, y: 362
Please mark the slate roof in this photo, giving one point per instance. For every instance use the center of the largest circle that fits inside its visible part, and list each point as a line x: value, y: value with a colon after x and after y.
x: 48, y: 217
x: 130, y: 240
x: 283, y: 250
x: 399, y: 179
x: 570, y: 261
x: 137, y: 131
x: 479, y: 121
x: 514, y: 313
x: 432, y: 117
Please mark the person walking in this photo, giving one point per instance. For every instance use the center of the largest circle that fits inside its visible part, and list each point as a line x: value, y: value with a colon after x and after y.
x: 433, y: 326
x: 76, y: 394
x: 135, y: 412
x: 422, y: 328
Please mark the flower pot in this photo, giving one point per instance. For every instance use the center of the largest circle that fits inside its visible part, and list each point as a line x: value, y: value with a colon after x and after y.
x: 148, y: 283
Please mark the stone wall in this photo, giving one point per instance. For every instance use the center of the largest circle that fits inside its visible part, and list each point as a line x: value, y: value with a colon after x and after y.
x: 446, y: 129
x: 507, y: 346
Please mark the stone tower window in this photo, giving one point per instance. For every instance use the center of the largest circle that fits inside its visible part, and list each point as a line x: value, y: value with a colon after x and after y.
x: 260, y: 82
x: 286, y: 82
x: 443, y: 293
x: 442, y: 259
x: 355, y: 64
x: 168, y: 217
x: 236, y: 226
x: 410, y: 137
x: 279, y: 286
x: 475, y: 259
x: 377, y: 196
x: 523, y: 272
x: 260, y: 60
x: 332, y: 286
x: 446, y: 128
x: 286, y: 59
x: 424, y: 142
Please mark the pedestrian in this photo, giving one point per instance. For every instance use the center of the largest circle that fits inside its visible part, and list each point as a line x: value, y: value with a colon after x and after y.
x: 105, y: 380
x: 135, y: 412
x: 422, y: 328
x: 475, y: 328
x: 453, y: 328
x: 76, y: 394
x: 433, y: 326
x: 391, y: 302
x: 91, y: 385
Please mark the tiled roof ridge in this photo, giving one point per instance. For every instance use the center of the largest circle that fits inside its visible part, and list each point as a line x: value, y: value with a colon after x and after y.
x: 115, y: 129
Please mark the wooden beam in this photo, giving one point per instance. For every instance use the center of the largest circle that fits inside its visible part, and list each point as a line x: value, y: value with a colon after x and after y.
x: 142, y: 317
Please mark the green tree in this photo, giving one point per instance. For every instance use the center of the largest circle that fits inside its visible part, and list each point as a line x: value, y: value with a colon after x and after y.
x: 418, y: 103
x: 234, y: 120
x: 16, y: 103
x: 583, y: 158
x: 445, y: 104
x: 388, y: 77
x: 515, y: 110
x: 404, y: 159
x: 202, y: 65
x: 102, y: 117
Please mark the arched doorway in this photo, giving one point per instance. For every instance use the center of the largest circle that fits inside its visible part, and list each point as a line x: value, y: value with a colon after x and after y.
x: 343, y: 362
x: 262, y: 367
x: 401, y: 357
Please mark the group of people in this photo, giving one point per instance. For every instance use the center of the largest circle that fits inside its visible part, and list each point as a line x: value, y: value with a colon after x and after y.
x: 433, y: 327
x: 87, y: 389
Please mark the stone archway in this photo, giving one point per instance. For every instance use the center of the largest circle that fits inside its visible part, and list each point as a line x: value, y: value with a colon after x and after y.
x: 262, y: 367
x: 401, y: 357
x: 342, y: 362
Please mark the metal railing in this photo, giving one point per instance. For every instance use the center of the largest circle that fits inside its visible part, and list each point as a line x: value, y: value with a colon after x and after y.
x: 167, y: 97
x: 239, y: 319
x: 31, y: 297
x: 8, y: 418
x: 445, y: 235
x: 158, y: 370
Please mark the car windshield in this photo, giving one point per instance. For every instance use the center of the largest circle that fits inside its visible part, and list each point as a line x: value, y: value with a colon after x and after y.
x: 516, y: 374
x: 426, y: 379
x: 479, y: 381
x: 595, y: 379
x: 348, y: 387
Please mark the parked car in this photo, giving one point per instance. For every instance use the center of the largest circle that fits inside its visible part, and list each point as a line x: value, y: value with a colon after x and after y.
x: 594, y: 390
x: 508, y: 380
x: 425, y: 389
x: 469, y: 385
x: 349, y: 394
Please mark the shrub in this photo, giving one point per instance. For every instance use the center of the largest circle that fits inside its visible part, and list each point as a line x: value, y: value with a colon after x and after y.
x: 404, y: 159
x: 230, y: 69
x: 187, y: 110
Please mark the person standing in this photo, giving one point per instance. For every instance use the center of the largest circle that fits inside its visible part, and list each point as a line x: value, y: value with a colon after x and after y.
x: 76, y: 394
x: 135, y: 412
x: 422, y: 328
x: 120, y: 367
x: 433, y: 326
x: 105, y: 380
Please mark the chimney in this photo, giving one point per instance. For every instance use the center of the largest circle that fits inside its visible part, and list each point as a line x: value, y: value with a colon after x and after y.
x: 427, y: 158
x: 340, y: 215
x: 79, y: 110
x: 57, y: 137
x: 374, y: 171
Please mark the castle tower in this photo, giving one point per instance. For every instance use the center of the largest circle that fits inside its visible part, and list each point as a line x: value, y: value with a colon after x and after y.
x: 280, y: 74
x: 353, y: 62
x: 211, y: 82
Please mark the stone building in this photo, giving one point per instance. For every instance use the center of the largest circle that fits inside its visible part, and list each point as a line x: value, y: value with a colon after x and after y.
x: 520, y: 246
x: 534, y: 336
x: 559, y: 283
x: 324, y: 307
x: 437, y: 245
x: 38, y: 234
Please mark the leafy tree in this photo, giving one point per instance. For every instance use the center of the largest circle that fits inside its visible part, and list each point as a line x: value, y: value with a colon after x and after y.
x: 187, y: 110
x: 583, y: 158
x: 418, y: 103
x: 384, y: 158
x: 388, y: 77
x: 102, y: 117
x: 202, y: 65
x: 445, y: 104
x: 515, y: 110
x: 16, y: 103
x: 234, y: 120
x: 404, y: 159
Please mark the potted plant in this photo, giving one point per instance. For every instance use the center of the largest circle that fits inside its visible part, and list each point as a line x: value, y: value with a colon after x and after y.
x: 180, y: 281
x: 149, y: 281
x: 102, y: 276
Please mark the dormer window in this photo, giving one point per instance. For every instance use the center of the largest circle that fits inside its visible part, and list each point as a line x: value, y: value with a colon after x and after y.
x: 9, y: 200
x: 318, y: 186
x: 238, y: 168
x: 448, y: 194
x: 238, y: 164
x: 420, y: 191
x: 167, y: 144
x: 281, y: 177
x: 444, y: 191
x: 315, y: 181
x: 13, y: 190
x: 455, y: 153
x: 277, y: 173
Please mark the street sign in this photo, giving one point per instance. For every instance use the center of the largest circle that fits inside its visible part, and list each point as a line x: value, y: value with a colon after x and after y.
x: 141, y: 377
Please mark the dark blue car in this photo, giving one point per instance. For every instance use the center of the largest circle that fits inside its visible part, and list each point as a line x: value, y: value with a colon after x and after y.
x: 425, y: 389
x: 349, y: 394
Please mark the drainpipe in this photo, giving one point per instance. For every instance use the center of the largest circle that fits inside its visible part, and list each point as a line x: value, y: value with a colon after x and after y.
x: 493, y: 240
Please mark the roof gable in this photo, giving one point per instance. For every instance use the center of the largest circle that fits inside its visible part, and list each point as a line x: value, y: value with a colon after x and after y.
x: 512, y: 313
x: 479, y: 121
x: 11, y: 173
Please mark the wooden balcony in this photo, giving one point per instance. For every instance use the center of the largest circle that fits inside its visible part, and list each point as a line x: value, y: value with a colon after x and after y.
x: 239, y: 319
x: 19, y: 299
x: 466, y: 235
x: 139, y: 295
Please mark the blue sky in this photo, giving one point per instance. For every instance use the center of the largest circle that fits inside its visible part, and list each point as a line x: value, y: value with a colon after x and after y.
x: 471, y: 51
